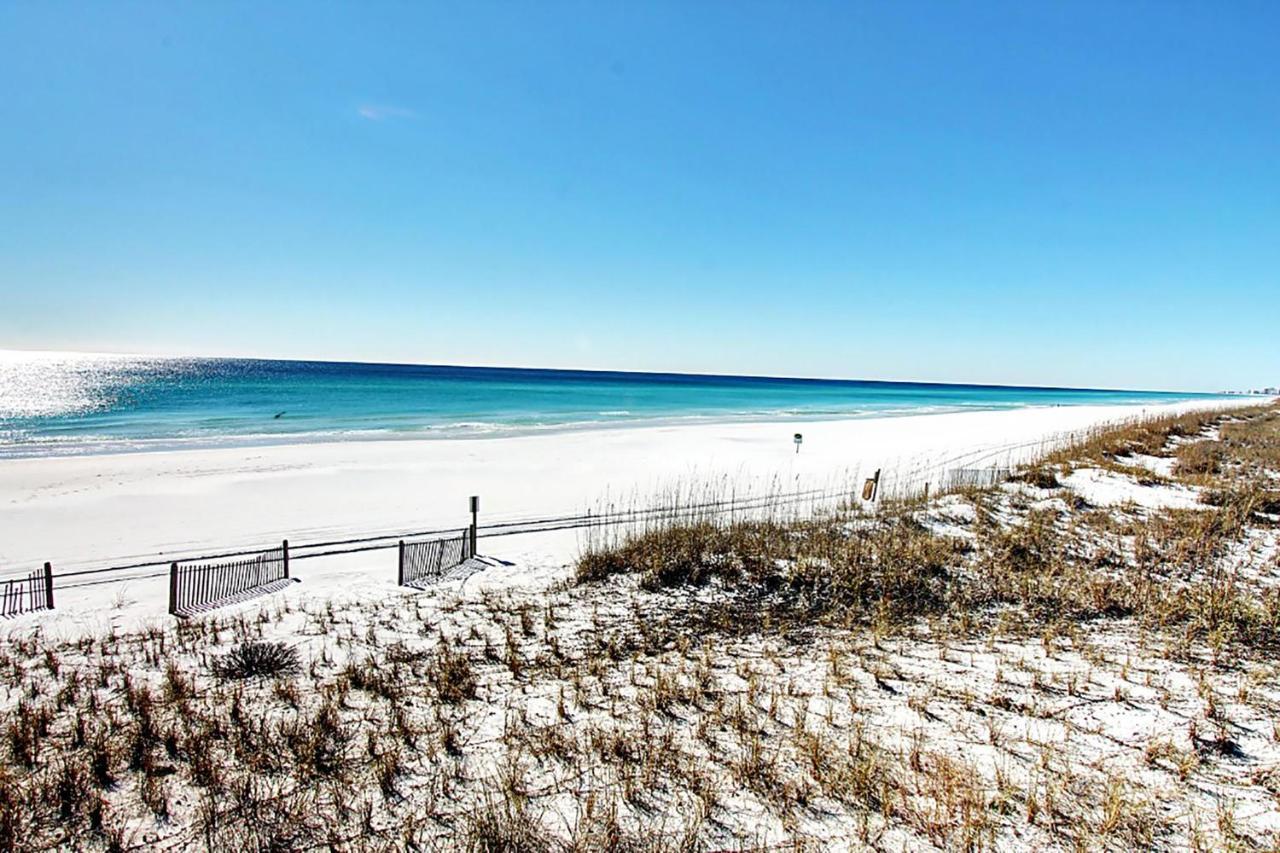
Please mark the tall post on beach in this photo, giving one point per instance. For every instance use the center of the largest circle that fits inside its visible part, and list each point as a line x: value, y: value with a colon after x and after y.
x: 475, y: 515
x: 400, y: 571
x: 173, y: 589
x: 286, y: 558
x: 48, y: 585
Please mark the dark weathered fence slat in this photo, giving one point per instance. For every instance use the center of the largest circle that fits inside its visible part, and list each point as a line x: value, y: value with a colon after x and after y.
x: 203, y: 586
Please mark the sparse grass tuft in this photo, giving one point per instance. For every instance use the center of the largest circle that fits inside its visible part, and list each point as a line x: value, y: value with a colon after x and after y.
x: 453, y: 676
x: 1199, y: 458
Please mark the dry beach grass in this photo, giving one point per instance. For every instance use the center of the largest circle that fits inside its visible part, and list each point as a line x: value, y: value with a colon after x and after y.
x: 1047, y: 664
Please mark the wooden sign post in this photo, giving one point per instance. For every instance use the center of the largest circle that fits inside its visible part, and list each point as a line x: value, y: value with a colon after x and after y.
x: 871, y: 486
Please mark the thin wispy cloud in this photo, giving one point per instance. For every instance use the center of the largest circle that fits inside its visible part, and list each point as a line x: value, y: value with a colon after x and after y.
x: 382, y: 112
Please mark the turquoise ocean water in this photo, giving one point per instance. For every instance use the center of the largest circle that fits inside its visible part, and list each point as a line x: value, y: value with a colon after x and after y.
x: 57, y: 404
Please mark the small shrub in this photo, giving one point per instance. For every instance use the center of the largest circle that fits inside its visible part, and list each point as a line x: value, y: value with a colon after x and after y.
x: 1041, y: 476
x: 13, y: 810
x: 505, y: 826
x: 102, y: 761
x: 453, y: 677
x: 25, y: 737
x: 257, y: 660
x: 322, y: 745
x: 368, y: 675
x: 73, y: 789
x: 152, y: 790
x: 690, y: 553
x: 1200, y: 458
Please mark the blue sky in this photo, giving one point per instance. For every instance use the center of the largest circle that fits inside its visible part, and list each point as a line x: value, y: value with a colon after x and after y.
x: 1067, y: 194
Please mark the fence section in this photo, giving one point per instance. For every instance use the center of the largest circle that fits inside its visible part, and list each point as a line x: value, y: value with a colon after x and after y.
x: 429, y: 559
x: 194, y: 587
x: 976, y: 478
x: 26, y: 595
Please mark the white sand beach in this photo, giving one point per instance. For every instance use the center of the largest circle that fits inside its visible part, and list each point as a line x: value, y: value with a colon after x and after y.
x: 94, y: 511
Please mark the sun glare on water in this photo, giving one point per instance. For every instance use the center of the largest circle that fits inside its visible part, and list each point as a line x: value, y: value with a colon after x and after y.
x: 52, y: 384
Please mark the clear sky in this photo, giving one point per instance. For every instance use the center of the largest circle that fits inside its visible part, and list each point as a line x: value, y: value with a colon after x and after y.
x: 1064, y: 193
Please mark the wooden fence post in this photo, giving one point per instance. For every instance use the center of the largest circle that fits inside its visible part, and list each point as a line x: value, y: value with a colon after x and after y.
x: 286, y: 559
x: 48, y: 585
x: 173, y: 589
x: 400, y: 568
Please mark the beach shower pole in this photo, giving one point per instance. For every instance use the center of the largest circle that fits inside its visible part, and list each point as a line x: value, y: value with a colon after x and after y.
x: 173, y: 589
x: 475, y: 513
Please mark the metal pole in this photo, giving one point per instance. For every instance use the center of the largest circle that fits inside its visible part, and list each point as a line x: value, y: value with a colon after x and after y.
x: 475, y: 515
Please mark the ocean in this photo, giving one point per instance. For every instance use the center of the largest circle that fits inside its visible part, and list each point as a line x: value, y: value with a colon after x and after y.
x: 69, y: 403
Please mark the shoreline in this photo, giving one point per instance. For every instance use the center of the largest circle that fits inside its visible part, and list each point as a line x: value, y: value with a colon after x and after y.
x: 482, y: 430
x: 89, y: 511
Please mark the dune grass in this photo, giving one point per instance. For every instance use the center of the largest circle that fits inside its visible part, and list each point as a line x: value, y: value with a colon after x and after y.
x: 849, y: 565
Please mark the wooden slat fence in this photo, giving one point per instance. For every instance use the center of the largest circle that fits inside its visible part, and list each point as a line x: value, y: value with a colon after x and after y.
x: 429, y: 559
x: 980, y: 478
x: 195, y: 587
x: 26, y: 595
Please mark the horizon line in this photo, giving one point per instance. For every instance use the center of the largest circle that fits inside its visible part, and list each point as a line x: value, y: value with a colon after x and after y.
x: 625, y: 372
